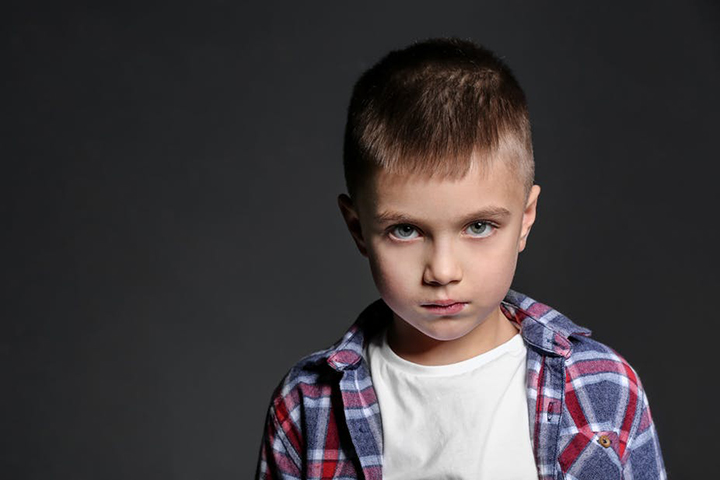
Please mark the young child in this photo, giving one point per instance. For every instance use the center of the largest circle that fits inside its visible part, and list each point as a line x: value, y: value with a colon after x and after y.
x: 451, y: 374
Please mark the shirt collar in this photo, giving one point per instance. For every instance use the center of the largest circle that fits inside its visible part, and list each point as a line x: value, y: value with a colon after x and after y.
x: 540, y: 325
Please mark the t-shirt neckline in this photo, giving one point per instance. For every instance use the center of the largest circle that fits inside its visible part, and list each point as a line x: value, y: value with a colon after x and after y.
x: 513, y: 346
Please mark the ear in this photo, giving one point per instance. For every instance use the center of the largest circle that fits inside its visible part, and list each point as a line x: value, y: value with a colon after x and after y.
x: 528, y: 216
x: 352, y: 220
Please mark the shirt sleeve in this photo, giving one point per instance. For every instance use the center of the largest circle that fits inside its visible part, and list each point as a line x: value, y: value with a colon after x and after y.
x: 643, y: 457
x: 279, y: 457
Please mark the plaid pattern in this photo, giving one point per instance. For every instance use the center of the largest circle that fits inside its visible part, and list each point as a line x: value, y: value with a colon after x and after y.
x: 589, y: 416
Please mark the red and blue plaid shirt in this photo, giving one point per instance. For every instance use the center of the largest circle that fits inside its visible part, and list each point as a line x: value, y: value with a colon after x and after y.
x: 589, y: 415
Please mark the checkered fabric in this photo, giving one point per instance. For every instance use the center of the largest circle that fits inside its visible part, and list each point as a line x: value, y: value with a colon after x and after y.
x: 589, y: 415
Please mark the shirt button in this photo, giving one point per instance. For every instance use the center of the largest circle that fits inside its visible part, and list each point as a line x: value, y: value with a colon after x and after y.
x: 604, y: 441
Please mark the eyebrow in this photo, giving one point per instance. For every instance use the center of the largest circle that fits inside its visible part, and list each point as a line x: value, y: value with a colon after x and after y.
x: 489, y: 212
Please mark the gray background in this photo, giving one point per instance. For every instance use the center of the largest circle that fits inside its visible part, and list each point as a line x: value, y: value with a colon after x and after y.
x: 172, y: 243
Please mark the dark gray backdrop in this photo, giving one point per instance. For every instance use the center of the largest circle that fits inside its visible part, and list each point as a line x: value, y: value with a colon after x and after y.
x: 172, y: 243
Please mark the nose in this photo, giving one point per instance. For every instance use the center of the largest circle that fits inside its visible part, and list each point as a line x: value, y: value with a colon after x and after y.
x: 442, y: 266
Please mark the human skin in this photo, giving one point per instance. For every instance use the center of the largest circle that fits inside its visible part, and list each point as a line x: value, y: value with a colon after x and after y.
x: 443, y: 249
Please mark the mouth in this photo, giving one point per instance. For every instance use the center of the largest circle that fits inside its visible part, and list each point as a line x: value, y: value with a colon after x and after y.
x: 444, y: 307
x: 442, y: 303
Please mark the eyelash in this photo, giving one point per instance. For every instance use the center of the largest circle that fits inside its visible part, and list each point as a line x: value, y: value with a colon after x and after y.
x: 398, y: 239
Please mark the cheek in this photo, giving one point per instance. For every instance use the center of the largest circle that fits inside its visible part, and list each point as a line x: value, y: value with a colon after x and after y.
x: 505, y: 270
x: 393, y: 269
x: 491, y: 268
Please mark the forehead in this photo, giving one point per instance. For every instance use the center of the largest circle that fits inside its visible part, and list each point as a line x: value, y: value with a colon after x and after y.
x: 492, y: 187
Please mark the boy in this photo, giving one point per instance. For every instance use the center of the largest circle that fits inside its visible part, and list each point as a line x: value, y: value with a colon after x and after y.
x: 451, y: 374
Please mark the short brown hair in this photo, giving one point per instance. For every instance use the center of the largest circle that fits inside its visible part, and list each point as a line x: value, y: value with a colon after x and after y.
x: 433, y: 107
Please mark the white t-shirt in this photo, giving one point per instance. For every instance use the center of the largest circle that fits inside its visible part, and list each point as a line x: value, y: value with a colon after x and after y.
x: 467, y: 420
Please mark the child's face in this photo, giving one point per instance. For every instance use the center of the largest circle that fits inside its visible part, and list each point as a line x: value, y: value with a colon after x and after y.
x: 431, y: 240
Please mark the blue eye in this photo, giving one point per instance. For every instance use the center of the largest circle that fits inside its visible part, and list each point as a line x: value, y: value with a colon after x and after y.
x: 480, y: 229
x: 403, y: 232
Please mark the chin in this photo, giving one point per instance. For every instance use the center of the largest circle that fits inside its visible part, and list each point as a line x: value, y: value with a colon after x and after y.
x: 446, y: 334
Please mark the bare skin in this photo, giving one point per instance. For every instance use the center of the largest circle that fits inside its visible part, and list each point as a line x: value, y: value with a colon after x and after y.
x: 431, y: 239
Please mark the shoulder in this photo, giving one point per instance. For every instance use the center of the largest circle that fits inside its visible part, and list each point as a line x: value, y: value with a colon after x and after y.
x: 552, y: 332
x: 308, y: 387
x: 593, y: 362
x: 316, y: 372
x: 606, y: 409
x: 603, y: 383
x: 303, y: 391
x: 309, y: 377
x: 595, y: 370
x: 598, y: 379
x: 591, y: 348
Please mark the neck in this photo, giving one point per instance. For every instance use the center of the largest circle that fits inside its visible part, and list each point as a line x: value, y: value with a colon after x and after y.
x: 414, y: 346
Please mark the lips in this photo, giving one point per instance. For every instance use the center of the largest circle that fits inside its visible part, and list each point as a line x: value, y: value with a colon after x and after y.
x: 441, y: 303
x: 444, y: 307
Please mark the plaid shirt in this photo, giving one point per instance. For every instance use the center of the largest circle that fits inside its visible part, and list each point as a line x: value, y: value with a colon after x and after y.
x: 589, y: 415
